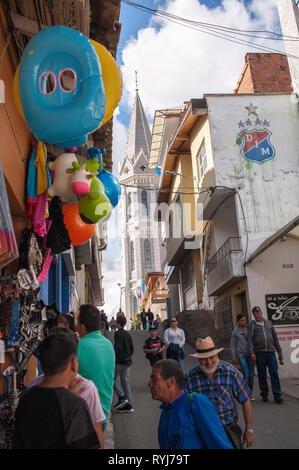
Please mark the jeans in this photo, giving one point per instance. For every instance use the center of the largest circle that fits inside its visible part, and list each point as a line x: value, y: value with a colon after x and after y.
x: 123, y: 372
x: 263, y: 360
x: 247, y: 367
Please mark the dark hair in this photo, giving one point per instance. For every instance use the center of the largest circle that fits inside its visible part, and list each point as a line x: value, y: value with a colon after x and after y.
x: 256, y: 309
x: 72, y: 334
x: 171, y: 368
x: 90, y: 317
x: 121, y: 320
x: 67, y: 319
x: 240, y: 315
x: 56, y: 351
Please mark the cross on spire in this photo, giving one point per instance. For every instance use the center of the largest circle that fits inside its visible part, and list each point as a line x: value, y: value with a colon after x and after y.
x: 136, y: 80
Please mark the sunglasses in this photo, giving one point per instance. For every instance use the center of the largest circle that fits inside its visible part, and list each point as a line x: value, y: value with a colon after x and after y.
x: 173, y: 321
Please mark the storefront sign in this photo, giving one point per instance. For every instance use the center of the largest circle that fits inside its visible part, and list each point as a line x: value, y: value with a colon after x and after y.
x: 283, y: 309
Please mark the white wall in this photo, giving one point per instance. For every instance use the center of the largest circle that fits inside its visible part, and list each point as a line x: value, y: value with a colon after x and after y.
x: 269, y: 191
x: 265, y: 275
x: 289, y: 20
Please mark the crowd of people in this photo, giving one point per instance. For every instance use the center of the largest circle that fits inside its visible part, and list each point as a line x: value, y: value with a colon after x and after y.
x: 68, y: 405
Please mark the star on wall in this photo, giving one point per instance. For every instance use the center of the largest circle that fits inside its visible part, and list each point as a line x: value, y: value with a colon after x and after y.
x: 126, y: 170
x: 251, y: 109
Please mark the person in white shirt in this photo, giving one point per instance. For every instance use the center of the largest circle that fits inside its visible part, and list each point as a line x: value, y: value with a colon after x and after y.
x: 174, y: 339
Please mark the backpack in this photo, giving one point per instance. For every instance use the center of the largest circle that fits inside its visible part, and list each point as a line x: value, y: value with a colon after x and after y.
x: 232, y: 437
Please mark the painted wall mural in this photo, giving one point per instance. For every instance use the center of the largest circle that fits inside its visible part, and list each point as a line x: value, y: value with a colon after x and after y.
x: 254, y: 138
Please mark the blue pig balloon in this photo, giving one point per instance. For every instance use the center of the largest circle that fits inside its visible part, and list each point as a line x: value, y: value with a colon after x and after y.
x: 53, y: 112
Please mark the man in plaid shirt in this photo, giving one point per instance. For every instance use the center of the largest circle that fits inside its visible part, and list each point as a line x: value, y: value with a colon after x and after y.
x: 223, y: 385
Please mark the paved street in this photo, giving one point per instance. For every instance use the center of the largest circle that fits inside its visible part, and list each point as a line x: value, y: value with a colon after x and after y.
x: 276, y: 426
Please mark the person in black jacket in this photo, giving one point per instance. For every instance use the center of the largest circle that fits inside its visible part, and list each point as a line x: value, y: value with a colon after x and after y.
x: 124, y: 349
x: 150, y: 317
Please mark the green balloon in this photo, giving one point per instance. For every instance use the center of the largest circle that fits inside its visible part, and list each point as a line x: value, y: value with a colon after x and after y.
x: 95, y: 206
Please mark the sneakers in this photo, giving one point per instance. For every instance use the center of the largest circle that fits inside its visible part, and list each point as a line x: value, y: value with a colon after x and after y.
x: 126, y: 409
x: 265, y: 399
x: 252, y: 399
x: 278, y: 400
x: 121, y: 402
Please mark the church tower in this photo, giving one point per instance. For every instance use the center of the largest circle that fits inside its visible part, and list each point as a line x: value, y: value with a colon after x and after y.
x: 141, y: 243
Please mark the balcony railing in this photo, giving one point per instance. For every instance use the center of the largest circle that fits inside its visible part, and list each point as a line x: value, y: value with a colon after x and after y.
x: 232, y: 244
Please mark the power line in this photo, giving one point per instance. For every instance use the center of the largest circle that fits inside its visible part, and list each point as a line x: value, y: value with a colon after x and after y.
x: 218, y: 31
x: 165, y: 190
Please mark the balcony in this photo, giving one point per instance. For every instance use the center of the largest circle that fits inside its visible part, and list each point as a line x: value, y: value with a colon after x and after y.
x: 226, y: 267
x: 174, y: 251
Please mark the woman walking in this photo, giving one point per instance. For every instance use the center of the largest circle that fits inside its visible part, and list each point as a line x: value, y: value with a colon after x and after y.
x: 240, y: 350
x: 174, y: 339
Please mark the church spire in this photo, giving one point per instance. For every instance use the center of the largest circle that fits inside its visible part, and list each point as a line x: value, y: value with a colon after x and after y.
x: 139, y: 134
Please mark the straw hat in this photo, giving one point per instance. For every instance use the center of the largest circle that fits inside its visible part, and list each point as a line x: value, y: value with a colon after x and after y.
x: 205, y: 348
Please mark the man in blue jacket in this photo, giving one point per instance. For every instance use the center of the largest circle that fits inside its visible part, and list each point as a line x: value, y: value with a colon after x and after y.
x: 186, y: 422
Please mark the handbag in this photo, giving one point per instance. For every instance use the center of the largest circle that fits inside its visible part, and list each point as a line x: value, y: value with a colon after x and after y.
x: 232, y: 437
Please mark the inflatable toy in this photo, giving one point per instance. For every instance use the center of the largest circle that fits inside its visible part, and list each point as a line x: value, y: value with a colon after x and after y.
x: 62, y: 181
x: 110, y: 182
x: 60, y: 87
x: 82, y: 174
x: 112, y: 79
x: 95, y: 206
x: 79, y: 232
x: 111, y: 186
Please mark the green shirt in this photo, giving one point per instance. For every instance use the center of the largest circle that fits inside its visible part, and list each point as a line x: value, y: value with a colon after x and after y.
x: 96, y: 359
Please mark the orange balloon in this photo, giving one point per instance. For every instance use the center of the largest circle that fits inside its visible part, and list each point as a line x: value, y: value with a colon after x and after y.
x: 79, y: 232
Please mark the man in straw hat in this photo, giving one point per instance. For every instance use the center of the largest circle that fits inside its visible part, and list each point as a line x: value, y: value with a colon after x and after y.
x: 223, y: 385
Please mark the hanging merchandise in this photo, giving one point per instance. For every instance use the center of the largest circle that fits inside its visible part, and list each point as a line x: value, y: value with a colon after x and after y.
x: 8, y: 246
x: 66, y: 86
x: 57, y: 237
x: 78, y: 231
x: 61, y: 185
x: 36, y: 321
x: 112, y: 79
x: 111, y: 184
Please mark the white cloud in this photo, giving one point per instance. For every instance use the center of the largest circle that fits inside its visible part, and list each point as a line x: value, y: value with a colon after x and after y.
x: 176, y: 63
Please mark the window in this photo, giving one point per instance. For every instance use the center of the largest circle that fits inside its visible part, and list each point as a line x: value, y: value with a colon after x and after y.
x: 129, y: 207
x: 147, y: 254
x: 202, y: 161
x: 144, y: 203
x: 132, y: 256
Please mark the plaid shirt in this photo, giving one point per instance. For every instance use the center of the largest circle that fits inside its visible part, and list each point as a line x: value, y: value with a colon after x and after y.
x: 223, y: 390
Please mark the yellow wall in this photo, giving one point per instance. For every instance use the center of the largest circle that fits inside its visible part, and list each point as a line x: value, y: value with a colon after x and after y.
x: 235, y: 301
x: 201, y: 132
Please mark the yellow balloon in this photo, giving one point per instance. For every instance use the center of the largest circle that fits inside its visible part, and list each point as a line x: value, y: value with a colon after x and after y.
x: 16, y: 93
x: 112, y: 79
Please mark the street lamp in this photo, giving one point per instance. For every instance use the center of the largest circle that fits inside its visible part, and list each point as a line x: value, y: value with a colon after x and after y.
x: 121, y: 290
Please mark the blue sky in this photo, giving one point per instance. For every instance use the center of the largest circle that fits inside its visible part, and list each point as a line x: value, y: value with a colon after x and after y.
x: 175, y: 64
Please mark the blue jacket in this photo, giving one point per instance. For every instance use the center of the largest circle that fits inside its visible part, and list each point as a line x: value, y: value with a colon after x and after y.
x: 177, y: 429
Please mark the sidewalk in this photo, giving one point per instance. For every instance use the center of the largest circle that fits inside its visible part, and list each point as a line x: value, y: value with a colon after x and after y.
x: 290, y: 387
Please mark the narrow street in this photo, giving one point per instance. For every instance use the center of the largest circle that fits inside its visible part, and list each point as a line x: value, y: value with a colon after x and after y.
x: 275, y: 426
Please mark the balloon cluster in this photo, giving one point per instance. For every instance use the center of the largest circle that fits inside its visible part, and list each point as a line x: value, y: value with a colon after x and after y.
x: 66, y: 87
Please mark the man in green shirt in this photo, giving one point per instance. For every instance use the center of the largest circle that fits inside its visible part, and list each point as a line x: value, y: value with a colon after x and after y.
x: 96, y: 355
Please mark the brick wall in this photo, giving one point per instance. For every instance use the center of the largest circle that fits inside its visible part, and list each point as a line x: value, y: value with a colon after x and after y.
x: 265, y: 73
